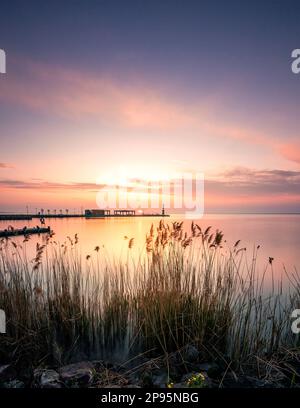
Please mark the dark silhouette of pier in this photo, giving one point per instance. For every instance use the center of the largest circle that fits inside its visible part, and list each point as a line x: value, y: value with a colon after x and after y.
x: 121, y: 213
x: 97, y: 213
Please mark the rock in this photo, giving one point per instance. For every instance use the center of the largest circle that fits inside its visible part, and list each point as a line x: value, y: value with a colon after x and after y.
x: 7, y: 373
x: 77, y: 373
x: 190, y: 354
x: 14, y: 384
x: 50, y: 379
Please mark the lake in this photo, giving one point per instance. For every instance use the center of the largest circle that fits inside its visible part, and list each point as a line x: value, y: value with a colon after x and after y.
x: 277, y: 235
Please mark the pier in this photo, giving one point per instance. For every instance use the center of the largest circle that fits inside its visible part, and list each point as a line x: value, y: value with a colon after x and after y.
x: 94, y: 213
x: 120, y: 213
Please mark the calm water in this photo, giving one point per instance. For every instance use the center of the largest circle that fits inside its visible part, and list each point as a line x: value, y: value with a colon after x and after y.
x: 278, y: 235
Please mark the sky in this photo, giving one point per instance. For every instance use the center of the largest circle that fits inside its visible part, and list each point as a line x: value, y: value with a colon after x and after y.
x: 98, y: 90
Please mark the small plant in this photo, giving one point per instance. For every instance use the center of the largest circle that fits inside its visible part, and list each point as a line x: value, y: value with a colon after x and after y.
x: 196, y: 381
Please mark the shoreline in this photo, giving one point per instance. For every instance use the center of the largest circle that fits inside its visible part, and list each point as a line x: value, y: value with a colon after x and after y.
x: 182, y: 369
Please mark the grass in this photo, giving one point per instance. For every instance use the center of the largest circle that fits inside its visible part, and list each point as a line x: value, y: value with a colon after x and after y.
x: 187, y: 288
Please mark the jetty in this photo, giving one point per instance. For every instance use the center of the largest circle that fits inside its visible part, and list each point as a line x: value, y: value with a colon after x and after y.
x: 97, y: 213
x: 121, y: 213
x: 11, y: 232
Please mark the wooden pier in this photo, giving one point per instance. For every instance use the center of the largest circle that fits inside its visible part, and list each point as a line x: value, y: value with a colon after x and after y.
x: 11, y: 232
x: 98, y: 213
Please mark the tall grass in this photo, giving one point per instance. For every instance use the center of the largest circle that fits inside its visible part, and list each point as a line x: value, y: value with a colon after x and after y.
x: 185, y: 289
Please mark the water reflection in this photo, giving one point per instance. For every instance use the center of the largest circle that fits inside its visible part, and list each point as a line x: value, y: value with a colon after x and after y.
x: 277, y: 235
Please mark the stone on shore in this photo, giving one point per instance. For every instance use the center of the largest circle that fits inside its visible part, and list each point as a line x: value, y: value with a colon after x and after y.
x: 80, y: 374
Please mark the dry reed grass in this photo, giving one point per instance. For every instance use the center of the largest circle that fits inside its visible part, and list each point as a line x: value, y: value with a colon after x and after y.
x: 186, y: 289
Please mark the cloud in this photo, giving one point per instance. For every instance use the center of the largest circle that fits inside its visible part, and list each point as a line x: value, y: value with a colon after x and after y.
x: 246, y: 174
x: 5, y: 166
x: 236, y: 189
x: 74, y: 94
x: 46, y: 185
x: 251, y: 182
x: 77, y: 95
x: 238, y: 180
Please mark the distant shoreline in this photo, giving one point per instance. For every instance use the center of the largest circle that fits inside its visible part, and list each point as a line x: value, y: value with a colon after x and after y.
x: 21, y: 217
x: 10, y: 216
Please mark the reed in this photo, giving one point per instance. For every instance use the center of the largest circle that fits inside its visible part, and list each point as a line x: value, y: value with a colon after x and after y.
x: 186, y: 288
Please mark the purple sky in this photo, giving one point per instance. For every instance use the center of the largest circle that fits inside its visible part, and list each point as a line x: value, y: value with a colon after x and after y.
x: 152, y: 87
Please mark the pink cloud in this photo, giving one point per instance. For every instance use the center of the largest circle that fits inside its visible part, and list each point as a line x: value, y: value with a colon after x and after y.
x: 76, y: 95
